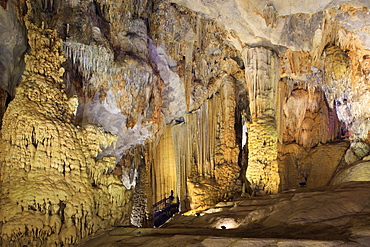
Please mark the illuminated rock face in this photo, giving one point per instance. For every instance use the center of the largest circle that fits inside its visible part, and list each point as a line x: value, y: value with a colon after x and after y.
x: 357, y: 172
x: 236, y: 97
x: 207, y: 159
x: 314, y: 167
x: 261, y: 73
x: 132, y: 85
x: 53, y: 189
x: 196, y: 155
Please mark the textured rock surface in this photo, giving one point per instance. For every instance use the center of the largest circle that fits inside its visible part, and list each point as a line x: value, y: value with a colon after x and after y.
x: 261, y: 73
x: 195, y: 157
x: 128, y: 100
x: 131, y: 84
x: 110, y: 69
x: 13, y: 44
x: 314, y: 167
x: 54, y: 190
x: 356, y: 172
x: 330, y: 216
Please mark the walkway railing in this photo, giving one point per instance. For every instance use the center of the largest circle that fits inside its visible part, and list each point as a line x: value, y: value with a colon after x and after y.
x: 164, y: 209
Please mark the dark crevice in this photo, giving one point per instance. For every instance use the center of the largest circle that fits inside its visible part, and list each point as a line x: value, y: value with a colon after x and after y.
x: 3, y: 3
x: 60, y: 211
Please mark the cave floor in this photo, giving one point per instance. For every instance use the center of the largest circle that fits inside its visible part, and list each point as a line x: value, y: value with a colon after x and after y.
x: 327, y: 216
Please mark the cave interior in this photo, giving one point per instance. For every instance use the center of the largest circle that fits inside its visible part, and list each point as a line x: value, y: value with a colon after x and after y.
x: 184, y: 122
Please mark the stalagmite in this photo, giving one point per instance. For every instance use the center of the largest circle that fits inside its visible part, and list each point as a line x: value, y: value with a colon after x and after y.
x: 53, y: 189
x: 122, y: 102
x: 262, y: 79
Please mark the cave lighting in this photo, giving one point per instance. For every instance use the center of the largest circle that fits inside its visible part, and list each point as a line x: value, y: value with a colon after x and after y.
x: 226, y: 223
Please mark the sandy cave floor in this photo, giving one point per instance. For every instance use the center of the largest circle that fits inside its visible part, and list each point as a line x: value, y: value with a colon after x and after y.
x: 327, y: 216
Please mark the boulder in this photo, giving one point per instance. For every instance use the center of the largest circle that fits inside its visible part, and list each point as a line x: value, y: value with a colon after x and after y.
x: 357, y: 172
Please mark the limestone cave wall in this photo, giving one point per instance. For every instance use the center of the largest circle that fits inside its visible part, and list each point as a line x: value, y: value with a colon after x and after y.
x: 53, y: 190
x: 107, y: 106
x: 327, y: 77
x: 107, y: 117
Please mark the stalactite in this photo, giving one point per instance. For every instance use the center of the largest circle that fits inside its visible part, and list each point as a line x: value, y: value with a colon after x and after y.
x: 197, y: 157
x: 91, y: 60
x: 206, y: 152
x: 164, y: 168
x: 261, y: 72
x: 134, y: 160
x: 339, y: 53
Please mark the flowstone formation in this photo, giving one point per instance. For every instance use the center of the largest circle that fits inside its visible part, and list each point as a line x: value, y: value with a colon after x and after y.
x: 323, y: 84
x: 198, y: 154
x: 111, y: 70
x: 139, y: 84
x: 306, y: 70
x: 261, y: 77
x: 54, y: 190
x: 122, y: 102
x: 127, y: 75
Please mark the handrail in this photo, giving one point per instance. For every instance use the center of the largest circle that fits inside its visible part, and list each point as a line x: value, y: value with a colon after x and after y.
x: 164, y: 209
x: 164, y: 201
